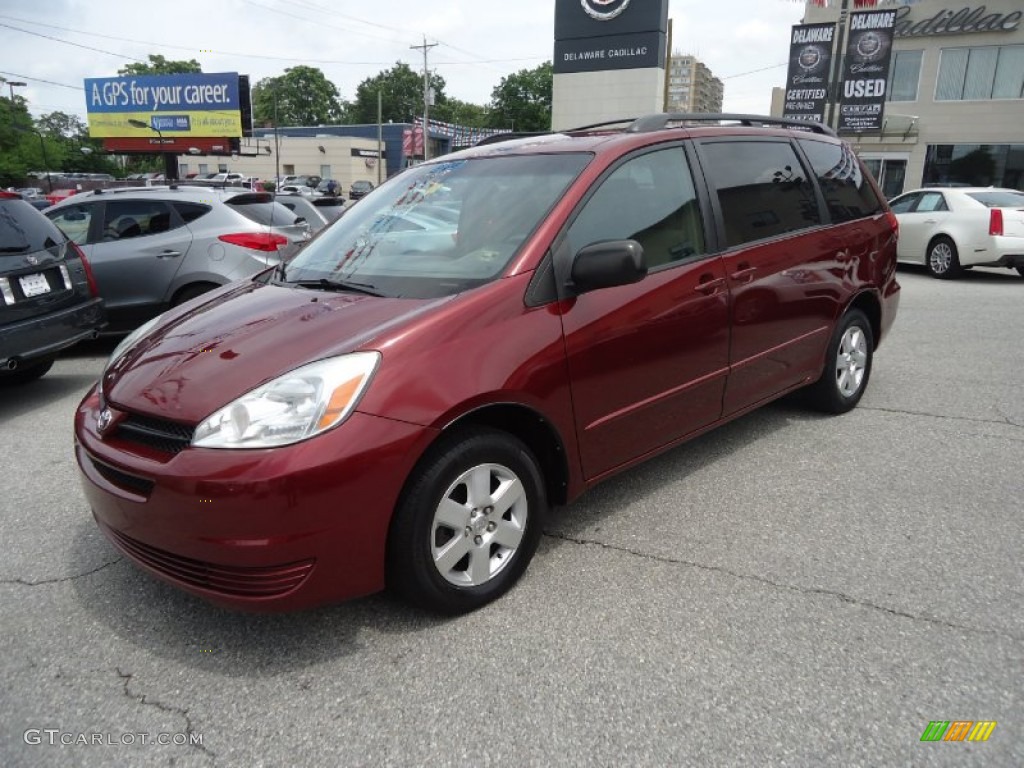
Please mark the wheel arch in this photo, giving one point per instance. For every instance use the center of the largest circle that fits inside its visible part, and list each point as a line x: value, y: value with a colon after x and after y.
x: 868, y: 303
x: 534, y: 430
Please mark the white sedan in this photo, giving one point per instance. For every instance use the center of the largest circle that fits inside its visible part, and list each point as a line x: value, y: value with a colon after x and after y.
x: 951, y: 228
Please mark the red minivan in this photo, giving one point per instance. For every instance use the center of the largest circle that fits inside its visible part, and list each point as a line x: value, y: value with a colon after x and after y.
x: 484, y: 336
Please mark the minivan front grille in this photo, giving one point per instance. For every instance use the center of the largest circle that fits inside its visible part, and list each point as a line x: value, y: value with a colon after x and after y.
x: 159, y: 434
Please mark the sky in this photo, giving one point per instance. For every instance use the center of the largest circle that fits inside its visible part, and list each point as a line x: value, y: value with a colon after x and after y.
x: 743, y: 42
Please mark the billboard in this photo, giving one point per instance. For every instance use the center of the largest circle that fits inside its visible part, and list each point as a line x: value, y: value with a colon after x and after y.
x: 866, y: 71
x: 170, y: 106
x: 810, y: 61
x: 597, y: 35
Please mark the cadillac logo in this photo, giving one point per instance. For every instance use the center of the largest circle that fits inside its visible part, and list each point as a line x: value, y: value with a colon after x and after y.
x: 870, y: 45
x: 103, y: 420
x: 810, y: 57
x: 604, y: 10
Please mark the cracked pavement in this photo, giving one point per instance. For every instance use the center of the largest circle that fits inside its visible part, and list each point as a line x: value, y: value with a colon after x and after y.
x: 787, y: 590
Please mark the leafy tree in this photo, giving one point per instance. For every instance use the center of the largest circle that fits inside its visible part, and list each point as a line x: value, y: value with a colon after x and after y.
x: 401, y: 92
x: 523, y: 100
x: 303, y: 95
x: 158, y: 65
x: 62, y: 125
x: 461, y: 113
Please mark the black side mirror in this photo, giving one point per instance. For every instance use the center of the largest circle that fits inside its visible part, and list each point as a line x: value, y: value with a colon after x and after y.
x: 606, y: 264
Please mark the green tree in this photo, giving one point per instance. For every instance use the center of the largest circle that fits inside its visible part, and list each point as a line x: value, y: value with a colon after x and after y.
x: 401, y: 92
x: 522, y: 100
x: 158, y: 65
x: 62, y: 125
x: 303, y: 95
x: 461, y: 113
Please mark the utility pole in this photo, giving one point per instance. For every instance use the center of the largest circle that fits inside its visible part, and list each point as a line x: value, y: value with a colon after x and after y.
x: 426, y: 95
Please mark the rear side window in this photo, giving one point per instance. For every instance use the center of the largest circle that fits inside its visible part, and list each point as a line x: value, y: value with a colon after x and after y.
x: 24, y: 230
x: 905, y: 203
x: 931, y: 201
x: 189, y: 212
x: 848, y: 193
x: 762, y: 189
x: 125, y: 219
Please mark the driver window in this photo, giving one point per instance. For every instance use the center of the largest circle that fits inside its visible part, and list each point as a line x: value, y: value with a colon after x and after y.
x: 650, y: 199
x: 125, y: 219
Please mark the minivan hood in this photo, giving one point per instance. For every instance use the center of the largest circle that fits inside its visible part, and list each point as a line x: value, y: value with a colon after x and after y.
x: 199, y: 360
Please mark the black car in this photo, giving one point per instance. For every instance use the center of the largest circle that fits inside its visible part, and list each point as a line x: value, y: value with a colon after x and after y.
x: 359, y: 189
x: 48, y: 298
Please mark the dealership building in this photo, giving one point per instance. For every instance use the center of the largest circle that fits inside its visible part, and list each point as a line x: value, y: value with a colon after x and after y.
x: 954, y: 109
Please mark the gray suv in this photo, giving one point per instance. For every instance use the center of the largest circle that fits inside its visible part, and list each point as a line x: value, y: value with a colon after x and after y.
x: 153, y: 248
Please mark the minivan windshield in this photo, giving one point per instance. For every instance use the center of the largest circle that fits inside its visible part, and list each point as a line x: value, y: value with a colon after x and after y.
x: 438, y: 228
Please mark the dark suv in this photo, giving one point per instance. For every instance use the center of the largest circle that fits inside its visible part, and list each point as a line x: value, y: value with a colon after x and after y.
x: 487, y: 335
x: 48, y: 298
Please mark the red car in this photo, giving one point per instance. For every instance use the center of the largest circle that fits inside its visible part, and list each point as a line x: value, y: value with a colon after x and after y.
x: 487, y: 335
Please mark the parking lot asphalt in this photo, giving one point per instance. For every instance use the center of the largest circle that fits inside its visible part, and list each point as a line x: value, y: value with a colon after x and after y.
x: 790, y: 589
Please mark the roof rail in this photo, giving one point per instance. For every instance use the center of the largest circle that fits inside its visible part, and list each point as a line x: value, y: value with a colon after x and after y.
x: 660, y: 121
x: 497, y: 138
x: 605, y: 124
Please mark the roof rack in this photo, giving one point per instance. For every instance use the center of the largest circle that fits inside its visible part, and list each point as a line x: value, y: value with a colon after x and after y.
x: 660, y: 121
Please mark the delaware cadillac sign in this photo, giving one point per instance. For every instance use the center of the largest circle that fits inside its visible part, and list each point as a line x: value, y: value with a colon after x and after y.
x: 595, y: 35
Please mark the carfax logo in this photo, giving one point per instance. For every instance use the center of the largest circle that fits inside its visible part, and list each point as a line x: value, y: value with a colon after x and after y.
x: 604, y: 10
x: 958, y: 730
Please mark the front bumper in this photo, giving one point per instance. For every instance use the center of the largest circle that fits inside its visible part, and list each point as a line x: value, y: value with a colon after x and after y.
x: 264, y: 530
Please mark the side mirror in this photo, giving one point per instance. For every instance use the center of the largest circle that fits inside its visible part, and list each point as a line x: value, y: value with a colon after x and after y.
x: 607, y: 263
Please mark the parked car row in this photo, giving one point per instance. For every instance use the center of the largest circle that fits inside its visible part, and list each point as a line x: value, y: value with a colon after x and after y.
x: 153, y: 248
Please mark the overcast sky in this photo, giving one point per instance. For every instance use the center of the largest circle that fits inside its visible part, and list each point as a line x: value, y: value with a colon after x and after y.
x: 479, y: 41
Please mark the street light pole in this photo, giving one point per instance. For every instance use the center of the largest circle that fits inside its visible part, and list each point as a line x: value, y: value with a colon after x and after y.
x: 12, y: 84
x: 170, y: 159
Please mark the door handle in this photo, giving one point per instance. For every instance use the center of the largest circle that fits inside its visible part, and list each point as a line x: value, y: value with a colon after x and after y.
x: 708, y: 284
x: 168, y: 254
x: 744, y: 273
x: 930, y: 221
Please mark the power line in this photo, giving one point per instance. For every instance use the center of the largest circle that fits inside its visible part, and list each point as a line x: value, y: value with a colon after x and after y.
x: 68, y: 42
x: 41, y: 80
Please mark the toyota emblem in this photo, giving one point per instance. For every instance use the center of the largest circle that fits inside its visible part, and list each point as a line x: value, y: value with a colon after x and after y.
x: 103, y: 420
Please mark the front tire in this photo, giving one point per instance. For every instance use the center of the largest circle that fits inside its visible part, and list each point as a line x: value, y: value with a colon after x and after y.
x: 943, y: 259
x: 468, y: 522
x: 847, y: 365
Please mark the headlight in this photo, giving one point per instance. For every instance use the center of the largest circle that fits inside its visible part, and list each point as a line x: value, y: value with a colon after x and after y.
x: 293, y: 407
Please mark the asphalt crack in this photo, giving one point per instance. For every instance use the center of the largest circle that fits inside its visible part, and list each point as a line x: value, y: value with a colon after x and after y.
x: 148, y: 702
x: 841, y: 596
x: 1001, y: 422
x: 25, y: 583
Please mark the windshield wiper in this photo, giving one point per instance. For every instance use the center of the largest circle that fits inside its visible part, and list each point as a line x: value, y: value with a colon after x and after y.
x: 340, y: 285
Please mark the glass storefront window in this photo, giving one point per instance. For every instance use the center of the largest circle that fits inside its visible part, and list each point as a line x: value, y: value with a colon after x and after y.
x: 974, y: 74
x: 981, y: 165
x: 904, y: 75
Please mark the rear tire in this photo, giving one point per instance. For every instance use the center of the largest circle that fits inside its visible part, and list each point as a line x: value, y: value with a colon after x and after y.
x: 943, y: 260
x: 190, y: 292
x: 847, y: 365
x: 27, y: 373
x: 468, y: 522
